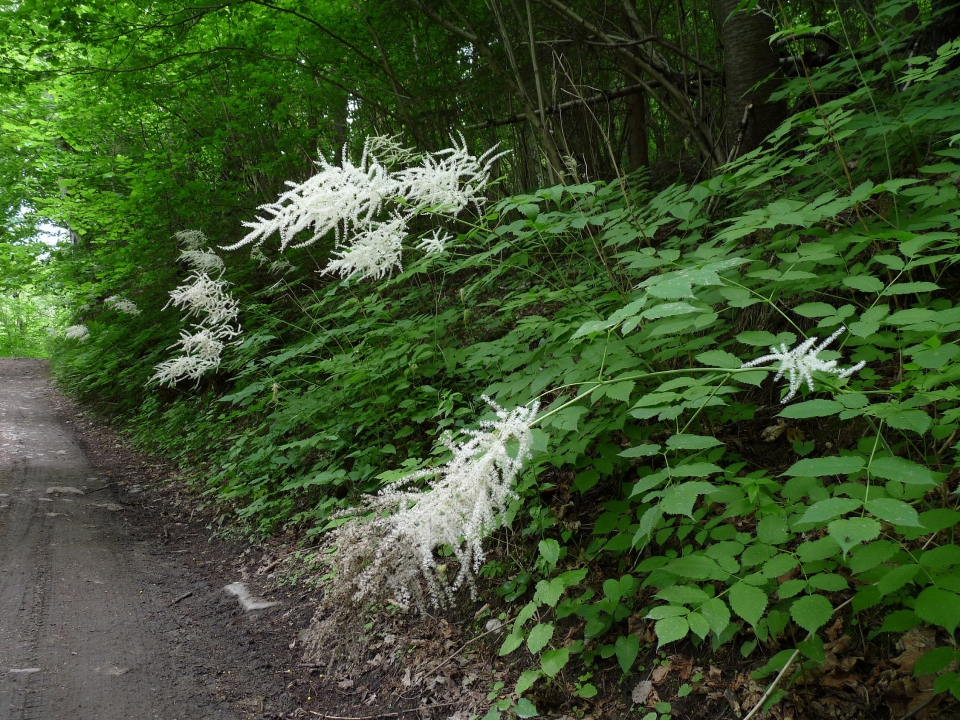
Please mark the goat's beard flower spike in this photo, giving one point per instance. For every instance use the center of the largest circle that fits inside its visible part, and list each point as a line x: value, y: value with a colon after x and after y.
x: 80, y: 333
x: 465, y: 503
x: 799, y: 364
x: 122, y: 305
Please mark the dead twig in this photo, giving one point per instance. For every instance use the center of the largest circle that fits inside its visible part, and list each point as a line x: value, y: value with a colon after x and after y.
x: 182, y: 597
x: 461, y: 649
x: 91, y: 492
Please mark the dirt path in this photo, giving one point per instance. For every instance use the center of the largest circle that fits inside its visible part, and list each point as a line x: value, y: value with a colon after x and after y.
x: 93, y: 618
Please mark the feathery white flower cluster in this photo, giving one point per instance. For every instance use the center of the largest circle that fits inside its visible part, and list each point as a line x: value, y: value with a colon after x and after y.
x: 205, y: 261
x: 799, y: 364
x: 348, y: 200
x: 209, y: 300
x: 190, y: 239
x: 122, y: 305
x: 390, y: 553
x: 80, y: 333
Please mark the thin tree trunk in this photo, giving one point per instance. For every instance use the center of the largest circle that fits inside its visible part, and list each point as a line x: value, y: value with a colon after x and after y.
x: 638, y: 151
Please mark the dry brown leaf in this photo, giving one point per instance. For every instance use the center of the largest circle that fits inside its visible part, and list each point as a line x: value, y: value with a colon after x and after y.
x: 660, y: 673
x: 914, y: 643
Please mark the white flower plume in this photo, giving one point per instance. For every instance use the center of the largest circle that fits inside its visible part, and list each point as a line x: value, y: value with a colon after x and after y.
x: 336, y: 195
x: 448, y: 180
x: 122, y: 305
x: 799, y: 364
x: 80, y: 333
x: 204, y: 295
x: 372, y: 253
x: 191, y: 239
x: 387, y: 150
x: 207, y: 299
x: 461, y: 507
x: 350, y: 201
x: 205, y: 261
x: 435, y: 243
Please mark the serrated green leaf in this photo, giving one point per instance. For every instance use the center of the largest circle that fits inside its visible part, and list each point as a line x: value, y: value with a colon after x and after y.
x: 863, y: 283
x: 692, y: 442
x: 680, y: 499
x: 526, y: 680
x: 830, y: 508
x: 853, y: 531
x: 550, y: 551
x: 938, y: 607
x: 814, y: 310
x: 914, y: 420
x: 757, y: 337
x: 670, y: 630
x: 902, y: 470
x: 717, y: 614
x: 893, y: 511
x: 719, y: 359
x: 819, y: 467
x: 772, y: 529
x: 525, y: 709
x: 685, y: 594
x: 811, y: 612
x: 897, y: 578
x: 934, y: 661
x: 627, y: 648
x: 511, y: 643
x: 549, y: 592
x: 748, y: 602
x: 696, y: 567
x: 698, y: 624
x: 942, y: 557
x: 640, y: 451
x: 539, y: 636
x: 791, y: 588
x: 828, y: 582
x: 619, y: 391
x: 552, y: 661
x: 811, y: 409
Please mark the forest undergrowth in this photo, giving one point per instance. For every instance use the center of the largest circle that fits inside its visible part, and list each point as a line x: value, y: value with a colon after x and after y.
x: 691, y: 533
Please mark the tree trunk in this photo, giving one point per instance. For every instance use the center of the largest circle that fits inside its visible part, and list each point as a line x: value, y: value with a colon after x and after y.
x: 638, y: 153
x: 748, y: 62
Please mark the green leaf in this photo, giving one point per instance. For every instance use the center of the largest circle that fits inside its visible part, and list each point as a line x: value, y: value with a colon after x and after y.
x: 683, y: 594
x: 549, y: 591
x: 627, y: 648
x: 552, y: 661
x: 698, y: 624
x: 897, y: 578
x: 939, y: 607
x: 934, y: 661
x: 680, y: 499
x: 550, y: 551
x: 692, y: 442
x: 717, y: 614
x: 915, y: 420
x: 863, y: 283
x: 902, y: 470
x: 911, y: 287
x: 748, y: 602
x: 833, y: 465
x: 829, y: 582
x: 772, y: 530
x: 526, y: 680
x: 640, y: 451
x: 942, y: 557
x: 757, y: 337
x: 525, y: 709
x: 812, y: 408
x: 619, y: 391
x: 511, y: 643
x: 540, y: 635
x: 811, y: 612
x: 814, y: 310
x: 696, y: 567
x: 853, y: 532
x: 830, y: 508
x: 670, y: 629
x: 893, y: 511
x: 719, y: 359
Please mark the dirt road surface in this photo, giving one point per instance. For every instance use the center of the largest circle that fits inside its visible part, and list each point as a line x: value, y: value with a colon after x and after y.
x: 90, y: 622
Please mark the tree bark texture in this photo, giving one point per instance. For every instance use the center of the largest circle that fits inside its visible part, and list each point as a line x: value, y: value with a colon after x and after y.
x: 750, y: 65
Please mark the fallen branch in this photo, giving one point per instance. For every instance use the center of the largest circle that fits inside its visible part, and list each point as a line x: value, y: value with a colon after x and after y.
x: 554, y: 109
x: 182, y: 597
